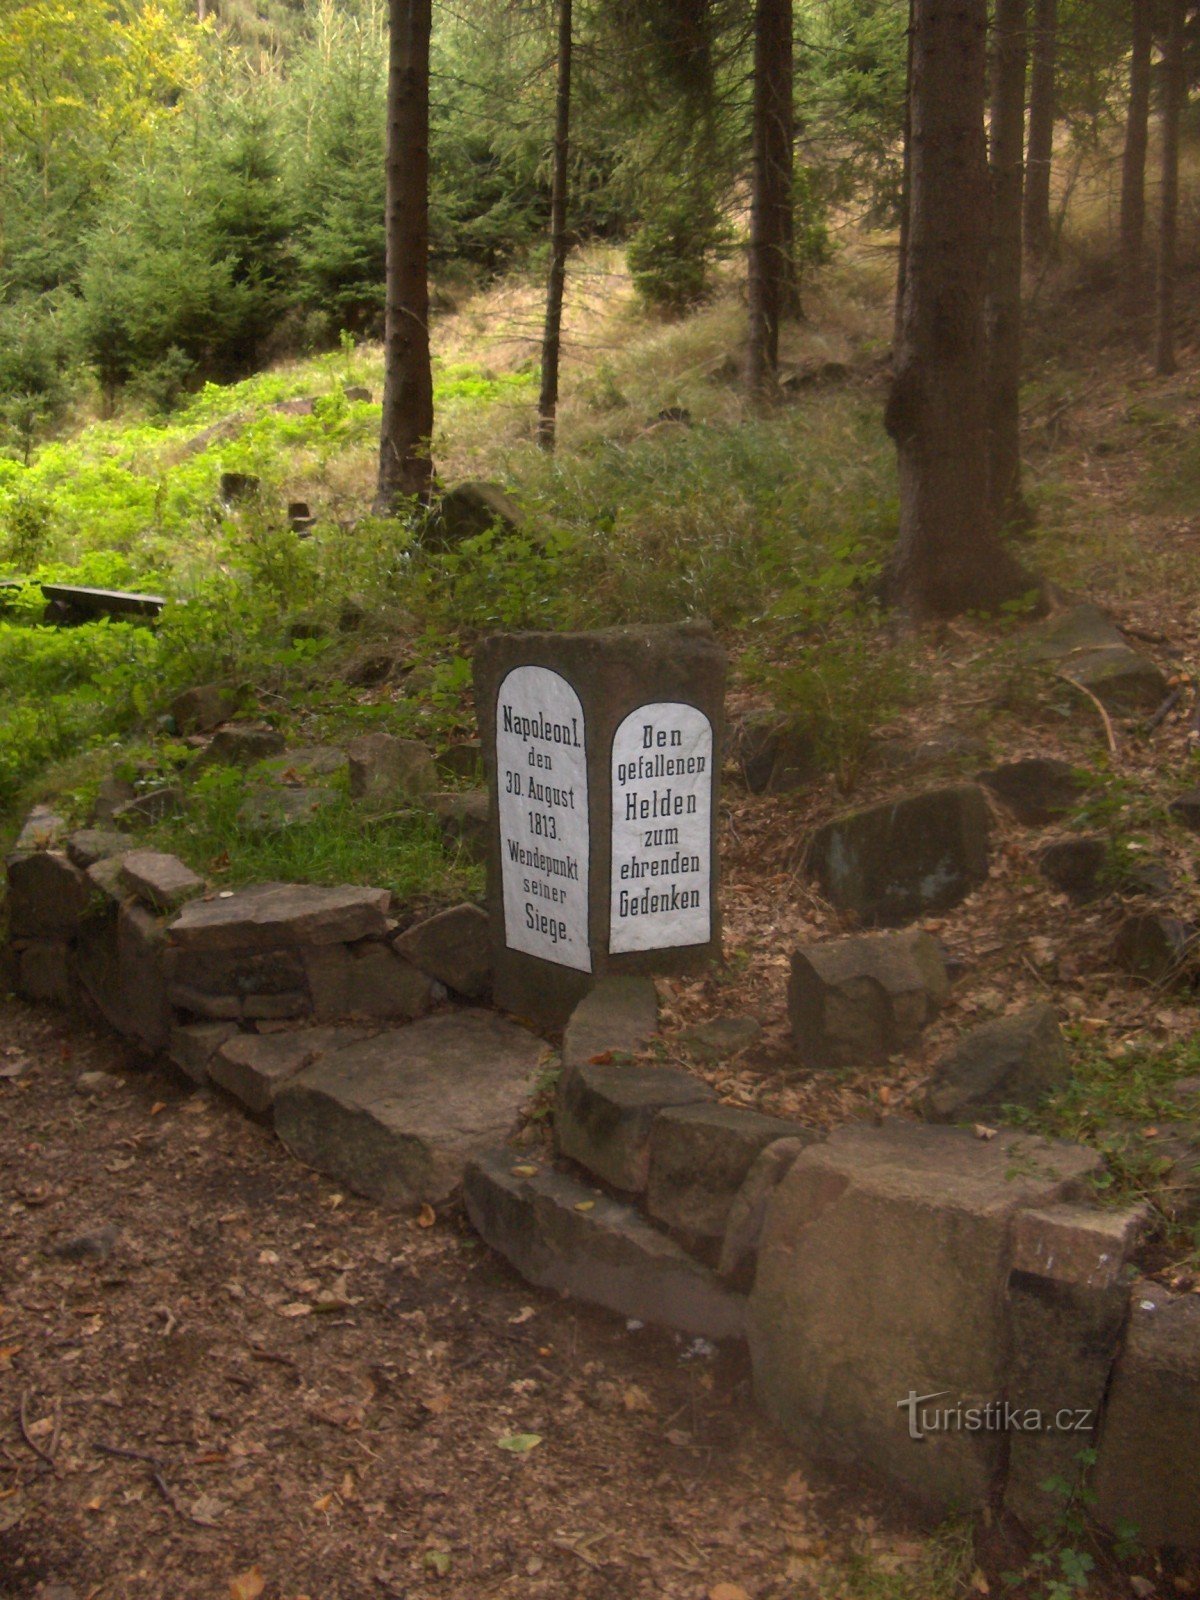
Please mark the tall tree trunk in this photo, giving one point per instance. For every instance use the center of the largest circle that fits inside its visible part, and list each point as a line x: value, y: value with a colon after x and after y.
x: 771, y: 200
x: 552, y: 337
x: 1174, y: 94
x: 1041, y: 128
x: 905, y: 185
x: 1004, y: 264
x: 1133, y: 163
x: 405, y: 464
x: 947, y: 558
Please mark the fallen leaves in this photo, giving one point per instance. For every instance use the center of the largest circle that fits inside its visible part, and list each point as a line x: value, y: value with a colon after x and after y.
x: 519, y: 1444
x: 247, y: 1585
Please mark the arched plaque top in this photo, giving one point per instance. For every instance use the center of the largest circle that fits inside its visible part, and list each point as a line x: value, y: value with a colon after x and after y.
x: 662, y: 786
x: 541, y: 780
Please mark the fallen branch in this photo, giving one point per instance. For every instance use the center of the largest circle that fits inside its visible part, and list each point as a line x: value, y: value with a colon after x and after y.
x: 1104, y: 716
x: 1165, y: 710
x: 45, y: 1456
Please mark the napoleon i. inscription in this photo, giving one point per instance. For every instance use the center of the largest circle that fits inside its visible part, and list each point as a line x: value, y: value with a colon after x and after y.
x: 602, y: 757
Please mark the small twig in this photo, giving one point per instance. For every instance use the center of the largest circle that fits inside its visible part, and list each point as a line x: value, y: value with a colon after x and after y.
x: 160, y: 1483
x: 46, y: 1456
x: 257, y: 1354
x: 1164, y: 710
x: 128, y: 1455
x: 1104, y: 716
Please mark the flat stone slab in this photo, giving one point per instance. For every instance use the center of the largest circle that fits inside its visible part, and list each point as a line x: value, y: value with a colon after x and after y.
x: 455, y: 947
x: 882, y: 1271
x: 270, y: 915
x: 619, y: 1015
x: 162, y: 880
x: 367, y: 979
x: 901, y: 858
x: 253, y: 1067
x: 1084, y: 644
x: 397, y: 1117
x: 605, y: 1111
x: 561, y: 1234
x: 89, y: 845
x: 192, y: 1046
x: 1010, y: 1061
x: 699, y: 1158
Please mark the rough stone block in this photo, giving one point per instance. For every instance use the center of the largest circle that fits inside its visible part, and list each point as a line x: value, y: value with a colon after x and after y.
x: 382, y: 765
x: 463, y: 821
x: 1123, y: 680
x: 45, y: 972
x: 1074, y: 865
x: 162, y: 881
x: 1153, y: 946
x: 699, y: 1158
x: 1067, y: 1304
x: 562, y: 1235
x: 47, y: 896
x: 1036, y: 790
x: 240, y: 746
x: 253, y: 1067
x: 853, y: 1001
x: 192, y: 1046
x: 882, y: 1272
x: 205, y: 707
x: 1011, y: 1061
x: 902, y: 858
x: 238, y: 983
x: 739, y: 1248
x: 367, y: 979
x: 44, y: 829
x: 140, y: 1008
x: 722, y: 1037
x: 472, y: 508
x: 275, y: 915
x: 397, y: 1117
x: 620, y: 1016
x: 88, y: 846
x: 455, y: 947
x: 604, y: 1113
x: 1148, y: 1466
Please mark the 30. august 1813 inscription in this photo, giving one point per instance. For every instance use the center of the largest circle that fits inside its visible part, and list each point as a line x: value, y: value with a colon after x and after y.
x: 661, y: 829
x: 541, y: 774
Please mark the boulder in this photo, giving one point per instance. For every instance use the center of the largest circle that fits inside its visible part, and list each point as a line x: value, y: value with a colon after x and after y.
x: 562, y: 1235
x: 1036, y: 790
x: 902, y: 858
x: 192, y: 1046
x: 355, y: 393
x: 240, y: 745
x: 604, y: 1113
x: 367, y: 979
x: 462, y: 761
x: 857, y: 1000
x: 1084, y: 645
x: 743, y: 1228
x: 1185, y: 808
x: 205, y: 707
x: 163, y: 881
x: 722, y: 1037
x: 382, y: 765
x: 45, y: 971
x: 253, y: 1067
x: 282, y: 915
x: 1068, y: 1298
x: 455, y: 947
x: 1014, y: 1060
x: 89, y: 845
x: 43, y: 829
x: 470, y: 509
x: 150, y: 807
x: 463, y: 821
x: 299, y: 766
x: 47, y: 896
x: 1074, y: 865
x: 396, y: 1117
x: 772, y: 755
x: 619, y: 1015
x: 881, y: 1275
x: 112, y: 794
x: 1152, y: 946
x: 271, y: 808
x: 1148, y: 1464
x: 699, y: 1158
x: 238, y: 487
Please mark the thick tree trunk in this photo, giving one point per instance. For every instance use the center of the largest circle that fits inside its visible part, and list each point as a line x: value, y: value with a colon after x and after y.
x: 1041, y: 129
x: 552, y: 337
x: 1004, y: 264
x: 771, y: 200
x: 1133, y: 163
x: 405, y: 464
x: 947, y: 558
x: 905, y: 185
x: 1174, y: 94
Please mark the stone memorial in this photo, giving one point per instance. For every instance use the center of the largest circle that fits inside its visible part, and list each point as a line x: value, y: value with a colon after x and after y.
x: 602, y: 753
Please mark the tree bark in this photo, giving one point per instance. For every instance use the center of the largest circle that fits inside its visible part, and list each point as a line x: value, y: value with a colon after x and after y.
x: 1174, y: 94
x: 771, y: 199
x: 947, y: 558
x: 905, y: 185
x: 405, y: 463
x: 1009, y: 45
x: 1133, y: 163
x: 552, y: 336
x: 1041, y: 129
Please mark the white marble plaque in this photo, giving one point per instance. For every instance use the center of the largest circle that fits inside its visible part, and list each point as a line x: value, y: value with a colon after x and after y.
x: 541, y: 777
x: 662, y: 778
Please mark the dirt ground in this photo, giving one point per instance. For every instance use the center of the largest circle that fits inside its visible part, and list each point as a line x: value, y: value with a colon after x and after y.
x: 267, y: 1379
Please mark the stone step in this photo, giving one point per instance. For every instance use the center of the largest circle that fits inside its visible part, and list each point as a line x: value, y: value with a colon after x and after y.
x: 561, y: 1234
x: 396, y: 1117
